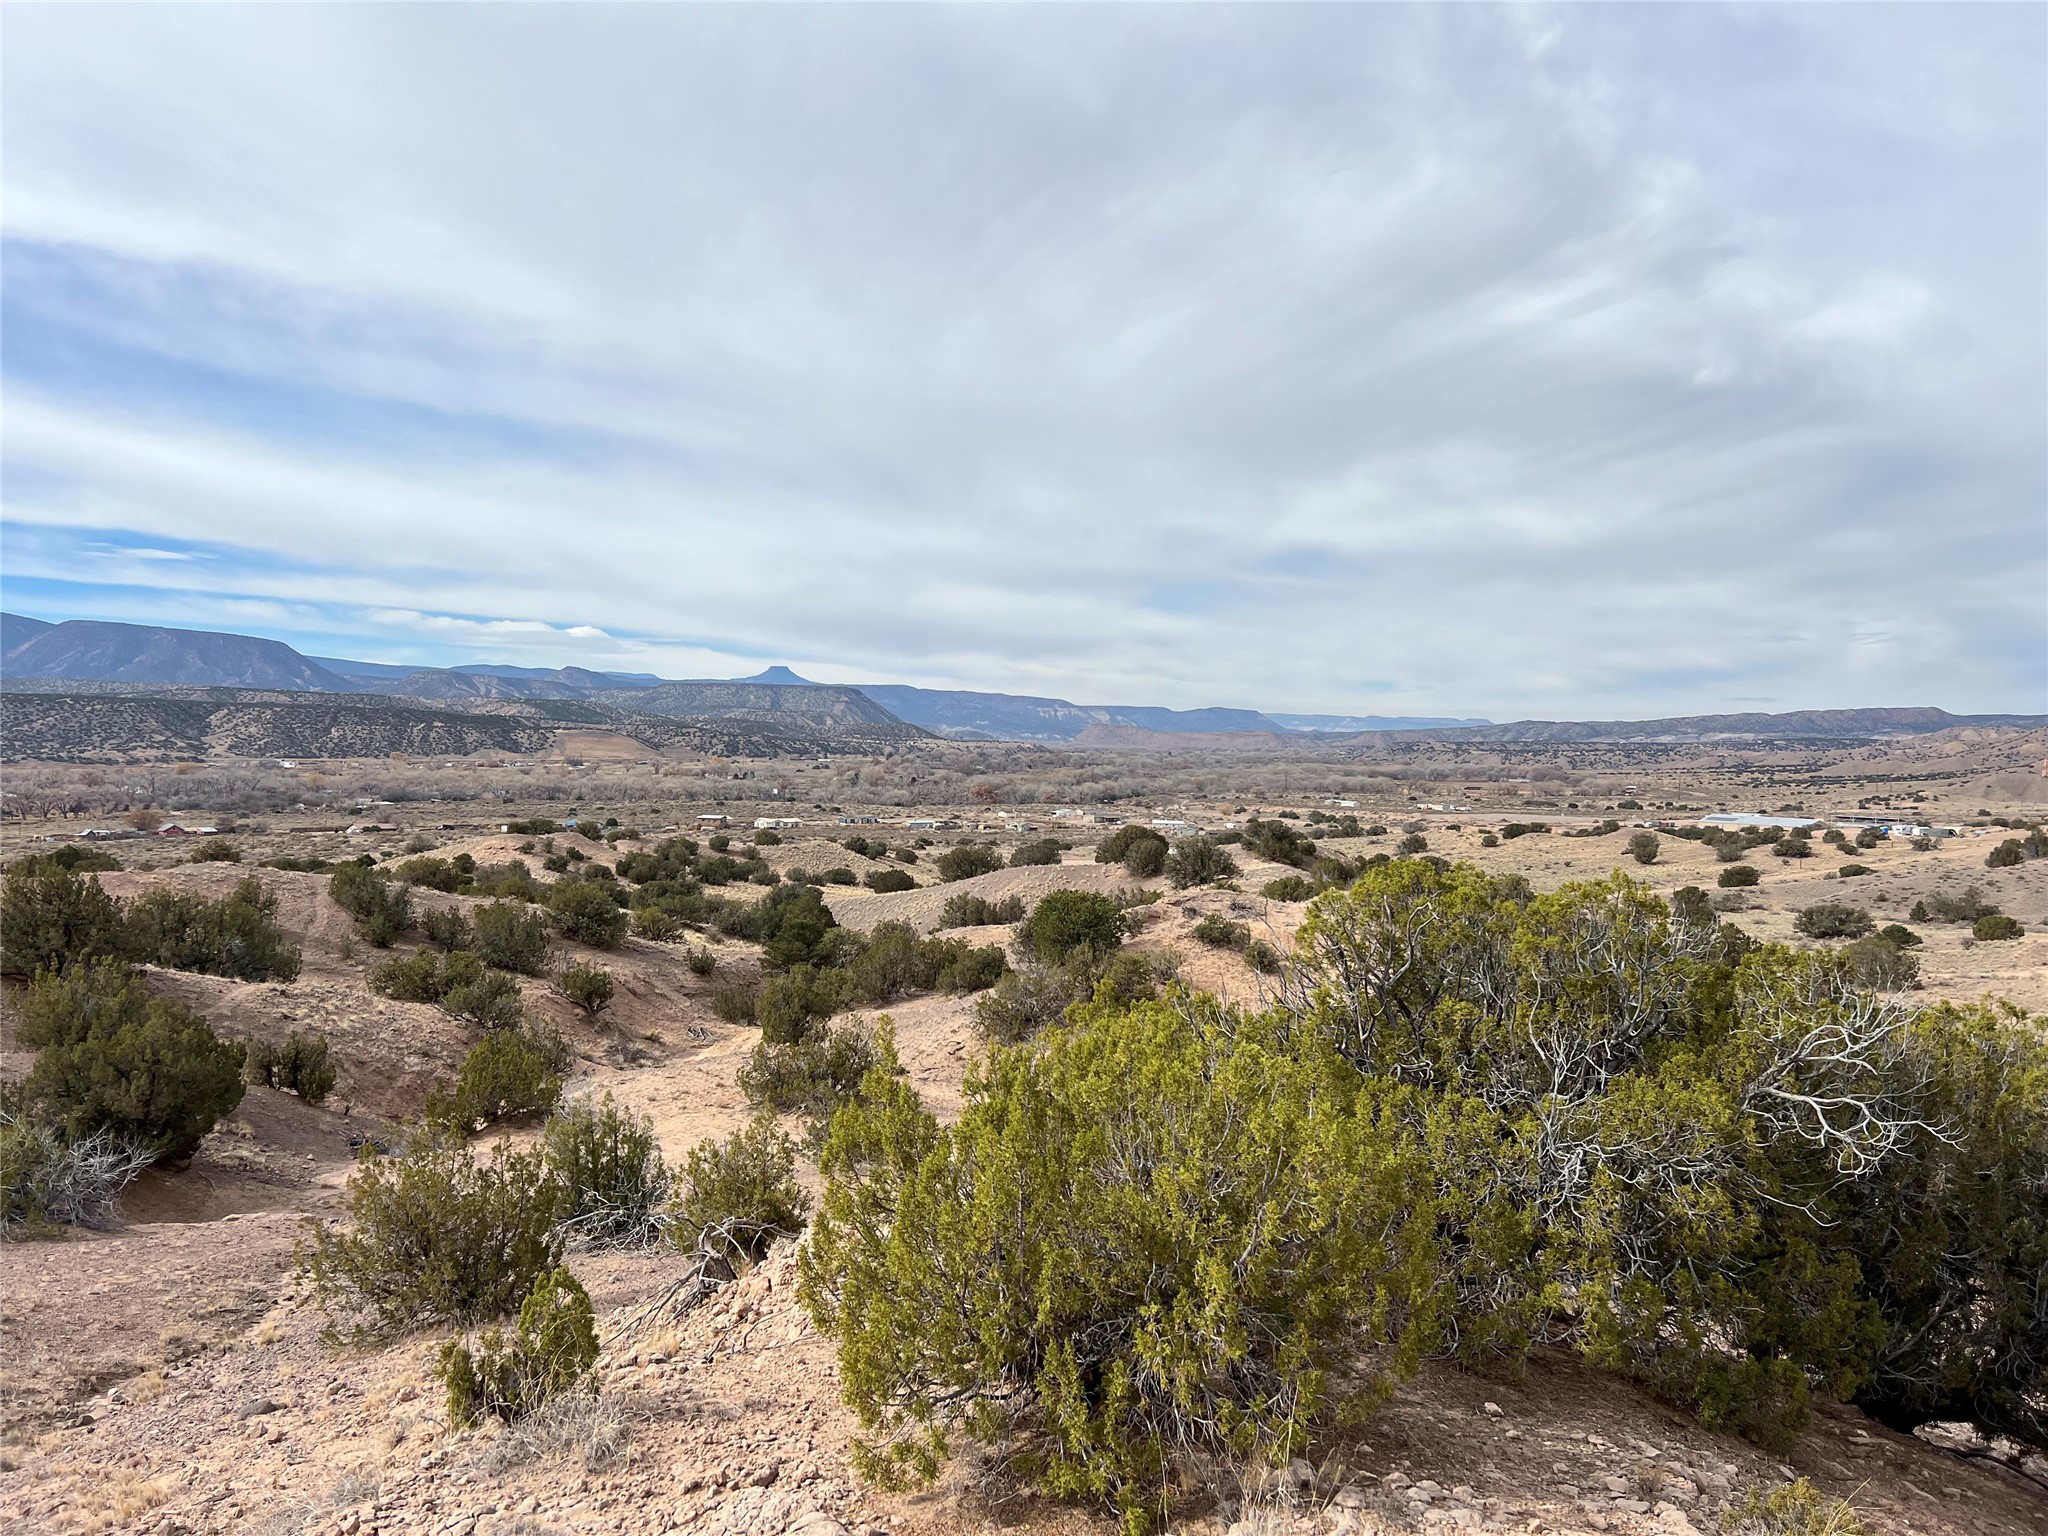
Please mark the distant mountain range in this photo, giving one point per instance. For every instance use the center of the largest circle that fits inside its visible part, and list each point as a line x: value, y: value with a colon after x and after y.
x: 1794, y: 725
x: 1349, y: 724
x: 90, y: 650
x: 88, y: 657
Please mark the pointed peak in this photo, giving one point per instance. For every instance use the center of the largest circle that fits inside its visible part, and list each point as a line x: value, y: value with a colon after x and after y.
x: 778, y: 674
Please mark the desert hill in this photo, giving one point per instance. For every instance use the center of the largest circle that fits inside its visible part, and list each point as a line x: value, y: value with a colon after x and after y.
x: 113, y: 721
x: 205, y: 1402
x: 141, y: 653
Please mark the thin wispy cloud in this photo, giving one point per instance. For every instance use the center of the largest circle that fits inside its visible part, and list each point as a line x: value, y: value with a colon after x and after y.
x: 1595, y: 361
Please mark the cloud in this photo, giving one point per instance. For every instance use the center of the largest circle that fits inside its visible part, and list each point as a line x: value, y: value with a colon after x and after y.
x: 1544, y: 361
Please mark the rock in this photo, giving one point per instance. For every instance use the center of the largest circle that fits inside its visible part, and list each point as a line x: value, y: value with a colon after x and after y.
x: 255, y: 1408
x: 1395, y: 1480
x: 1301, y: 1474
x: 1350, y: 1496
x: 1633, y: 1506
x: 1492, y: 1410
x: 816, y: 1523
x: 1617, y: 1484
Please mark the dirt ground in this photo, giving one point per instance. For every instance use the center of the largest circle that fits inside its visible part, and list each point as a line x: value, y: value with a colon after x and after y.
x: 170, y: 1377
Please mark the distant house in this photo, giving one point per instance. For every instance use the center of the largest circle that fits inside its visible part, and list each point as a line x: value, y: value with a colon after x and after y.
x: 1756, y: 819
x: 175, y: 829
x: 1171, y: 824
x: 777, y: 823
x: 860, y: 821
x: 355, y: 828
x: 712, y: 819
x: 928, y: 823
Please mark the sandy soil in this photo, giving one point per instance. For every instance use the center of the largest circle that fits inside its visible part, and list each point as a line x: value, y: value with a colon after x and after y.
x: 170, y: 1377
x: 862, y: 909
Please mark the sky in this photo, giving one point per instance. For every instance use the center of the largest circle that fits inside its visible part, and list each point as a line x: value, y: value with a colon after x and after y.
x: 1613, y: 361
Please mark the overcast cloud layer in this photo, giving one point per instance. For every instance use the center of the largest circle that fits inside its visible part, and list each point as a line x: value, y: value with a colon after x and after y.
x: 1627, y: 360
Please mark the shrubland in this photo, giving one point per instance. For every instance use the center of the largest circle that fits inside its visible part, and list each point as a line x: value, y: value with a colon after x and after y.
x: 552, y: 1351
x: 611, y: 1181
x: 50, y: 1180
x: 52, y: 916
x: 382, y: 908
x: 1166, y: 1234
x: 739, y: 1195
x: 434, y: 1236
x: 511, y: 1074
x: 113, y: 1059
x: 298, y: 1065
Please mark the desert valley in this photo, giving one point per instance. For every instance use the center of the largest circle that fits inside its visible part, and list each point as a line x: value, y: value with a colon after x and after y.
x: 204, y: 1396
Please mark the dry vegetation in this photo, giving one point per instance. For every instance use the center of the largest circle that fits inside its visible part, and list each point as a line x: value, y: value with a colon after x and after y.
x: 170, y: 1375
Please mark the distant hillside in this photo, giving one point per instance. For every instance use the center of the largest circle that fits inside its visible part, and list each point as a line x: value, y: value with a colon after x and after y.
x: 563, y: 683
x: 579, y: 675
x: 16, y: 630
x: 1353, y: 723
x: 143, y: 653
x: 1138, y: 738
x: 108, y: 727
x: 102, y: 659
x: 1020, y: 717
x: 1804, y: 724
x: 377, y: 671
x: 484, y: 682
x: 818, y: 703
x: 117, y: 721
x: 778, y: 675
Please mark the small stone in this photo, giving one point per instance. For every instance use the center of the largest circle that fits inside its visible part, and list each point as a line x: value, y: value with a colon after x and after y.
x: 1492, y: 1410
x: 255, y: 1408
x: 1633, y: 1506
